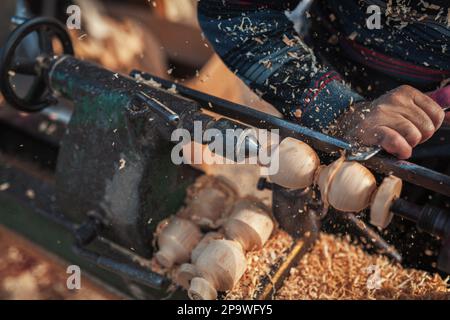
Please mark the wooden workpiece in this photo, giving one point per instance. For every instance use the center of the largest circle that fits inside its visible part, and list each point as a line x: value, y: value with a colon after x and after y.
x: 176, y: 242
x: 250, y: 224
x: 324, y: 175
x: 204, y: 242
x: 380, y: 210
x: 184, y: 274
x: 218, y: 260
x: 221, y: 265
x: 298, y: 163
x: 346, y: 185
x: 209, y: 202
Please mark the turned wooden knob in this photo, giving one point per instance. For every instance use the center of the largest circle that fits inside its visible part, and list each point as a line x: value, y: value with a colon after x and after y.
x: 346, y: 186
x: 209, y: 202
x: 204, y: 242
x: 221, y: 265
x: 250, y: 224
x: 185, y: 273
x: 380, y: 210
x: 324, y: 175
x: 202, y: 289
x: 207, y: 207
x: 298, y: 163
x: 176, y: 242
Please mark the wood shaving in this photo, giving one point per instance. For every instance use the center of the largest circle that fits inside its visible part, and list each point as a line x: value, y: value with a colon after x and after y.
x: 259, y: 265
x: 337, y: 269
x: 4, y: 186
x: 30, y: 194
x: 334, y: 269
x: 122, y: 163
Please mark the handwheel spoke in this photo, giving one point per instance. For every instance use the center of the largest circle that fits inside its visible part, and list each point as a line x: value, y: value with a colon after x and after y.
x: 25, y: 67
x: 36, y: 91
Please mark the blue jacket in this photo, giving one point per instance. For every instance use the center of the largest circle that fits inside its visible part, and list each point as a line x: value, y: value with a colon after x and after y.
x: 258, y: 42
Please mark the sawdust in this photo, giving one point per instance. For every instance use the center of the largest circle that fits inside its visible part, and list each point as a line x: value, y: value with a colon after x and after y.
x: 259, y: 264
x: 334, y: 269
x: 337, y: 269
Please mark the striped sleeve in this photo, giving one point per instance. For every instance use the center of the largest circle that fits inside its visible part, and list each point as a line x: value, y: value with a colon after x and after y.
x: 258, y: 42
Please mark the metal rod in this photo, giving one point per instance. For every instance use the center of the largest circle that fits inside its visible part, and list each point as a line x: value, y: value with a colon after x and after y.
x: 88, y: 232
x: 376, y: 239
x: 384, y: 164
x: 407, y: 210
x: 131, y: 272
x: 162, y: 110
x: 430, y: 219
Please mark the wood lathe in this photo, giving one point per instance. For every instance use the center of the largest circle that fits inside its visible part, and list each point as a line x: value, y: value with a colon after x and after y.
x: 109, y: 180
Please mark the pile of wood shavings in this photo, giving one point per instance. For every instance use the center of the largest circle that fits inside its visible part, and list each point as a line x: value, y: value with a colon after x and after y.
x: 334, y: 269
x: 259, y: 263
x: 337, y: 269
